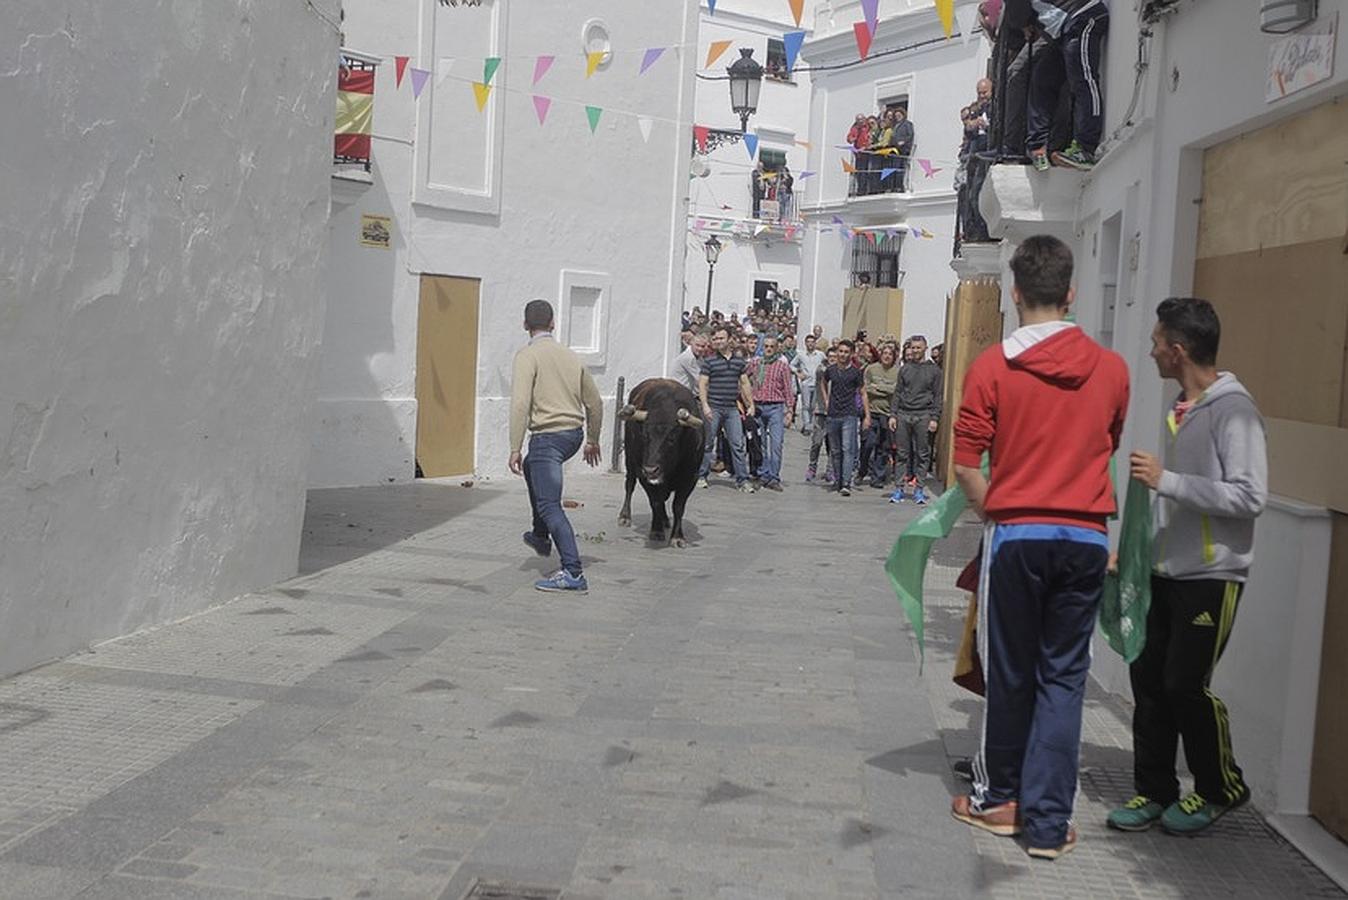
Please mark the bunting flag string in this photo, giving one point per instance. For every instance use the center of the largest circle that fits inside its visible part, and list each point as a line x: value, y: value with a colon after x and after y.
x: 541, y: 105
x: 593, y: 113
x: 848, y: 167
x: 649, y: 59
x: 792, y: 41
x: 946, y: 10
x: 489, y: 68
x: 927, y: 168
x: 711, y: 7
x: 751, y: 144
x: 797, y: 9
x: 592, y: 61
x: 863, y: 35
x: 399, y: 67
x: 717, y: 48
x: 871, y: 9
x: 419, y: 79
x: 541, y: 66
x: 700, y: 135
x: 644, y: 123
x: 442, y: 68
x: 481, y: 92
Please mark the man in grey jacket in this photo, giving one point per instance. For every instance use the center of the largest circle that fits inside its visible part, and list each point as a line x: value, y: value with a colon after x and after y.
x: 1212, y: 485
x: 915, y: 411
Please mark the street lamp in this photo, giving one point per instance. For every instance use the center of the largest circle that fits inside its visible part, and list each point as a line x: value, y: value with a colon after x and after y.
x: 713, y: 250
x: 746, y: 78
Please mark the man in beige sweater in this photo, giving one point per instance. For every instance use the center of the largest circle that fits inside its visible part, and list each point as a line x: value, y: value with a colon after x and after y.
x: 552, y: 396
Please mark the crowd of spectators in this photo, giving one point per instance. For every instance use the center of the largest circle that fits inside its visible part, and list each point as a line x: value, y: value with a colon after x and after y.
x: 882, y: 146
x: 776, y: 185
x: 872, y: 406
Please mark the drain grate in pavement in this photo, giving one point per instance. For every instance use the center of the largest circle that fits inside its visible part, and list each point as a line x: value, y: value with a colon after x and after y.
x: 504, y: 890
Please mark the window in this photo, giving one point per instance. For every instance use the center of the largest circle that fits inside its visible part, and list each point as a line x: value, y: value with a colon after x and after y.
x: 879, y: 260
x: 584, y: 314
x: 775, y: 65
x: 772, y: 160
x: 765, y: 295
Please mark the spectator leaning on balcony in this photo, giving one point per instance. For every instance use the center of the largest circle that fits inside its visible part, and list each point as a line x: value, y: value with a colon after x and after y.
x: 785, y: 185
x: 901, y: 140
x: 1075, y: 30
x: 757, y: 187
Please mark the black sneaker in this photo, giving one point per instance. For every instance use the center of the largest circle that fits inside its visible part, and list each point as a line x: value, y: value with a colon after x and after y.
x: 541, y: 545
x: 963, y: 768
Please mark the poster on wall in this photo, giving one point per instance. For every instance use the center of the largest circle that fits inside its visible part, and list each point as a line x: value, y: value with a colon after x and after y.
x: 375, y: 231
x: 1300, y: 60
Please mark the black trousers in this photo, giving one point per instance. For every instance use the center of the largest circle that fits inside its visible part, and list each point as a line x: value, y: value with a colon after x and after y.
x: 1074, y: 57
x: 1188, y: 625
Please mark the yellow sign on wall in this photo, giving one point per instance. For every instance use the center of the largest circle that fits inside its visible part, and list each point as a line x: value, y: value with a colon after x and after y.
x: 376, y: 231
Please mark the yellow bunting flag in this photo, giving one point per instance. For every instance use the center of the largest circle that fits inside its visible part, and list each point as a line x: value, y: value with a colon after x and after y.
x: 592, y: 61
x: 481, y: 92
x: 946, y: 10
x: 715, y: 50
x: 797, y: 7
x: 848, y: 167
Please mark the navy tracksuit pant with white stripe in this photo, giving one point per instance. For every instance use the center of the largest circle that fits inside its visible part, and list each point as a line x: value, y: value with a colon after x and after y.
x: 1040, y: 592
x: 1075, y: 56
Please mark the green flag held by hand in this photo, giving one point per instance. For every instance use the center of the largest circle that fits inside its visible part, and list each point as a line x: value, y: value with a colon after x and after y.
x: 1127, y: 596
x: 907, y: 563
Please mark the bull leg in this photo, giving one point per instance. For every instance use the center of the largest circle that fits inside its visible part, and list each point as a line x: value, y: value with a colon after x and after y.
x: 659, y: 519
x: 680, y: 501
x: 625, y: 514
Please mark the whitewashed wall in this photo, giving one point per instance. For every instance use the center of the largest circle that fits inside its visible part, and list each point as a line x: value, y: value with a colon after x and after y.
x: 548, y: 199
x: 165, y: 185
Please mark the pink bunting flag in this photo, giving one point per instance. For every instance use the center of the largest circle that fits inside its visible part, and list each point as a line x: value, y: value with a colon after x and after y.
x: 419, y: 79
x: 541, y: 105
x: 927, y: 168
x: 541, y: 66
x: 399, y: 67
x: 649, y: 59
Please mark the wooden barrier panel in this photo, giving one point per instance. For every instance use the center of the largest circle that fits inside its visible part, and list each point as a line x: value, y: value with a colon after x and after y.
x: 973, y: 322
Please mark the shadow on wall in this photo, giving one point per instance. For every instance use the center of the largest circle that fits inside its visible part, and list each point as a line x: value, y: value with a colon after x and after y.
x: 342, y: 524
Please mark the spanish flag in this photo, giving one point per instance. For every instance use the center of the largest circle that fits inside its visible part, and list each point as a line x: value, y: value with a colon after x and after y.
x: 355, y: 112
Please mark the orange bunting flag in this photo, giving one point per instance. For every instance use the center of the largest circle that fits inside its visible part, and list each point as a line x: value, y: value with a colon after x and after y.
x: 848, y: 167
x: 797, y: 8
x: 592, y: 61
x: 715, y: 50
x: 946, y: 10
x: 481, y: 92
x: 863, y: 33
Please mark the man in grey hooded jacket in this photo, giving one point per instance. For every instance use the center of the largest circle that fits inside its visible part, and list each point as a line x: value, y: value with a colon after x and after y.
x: 1212, y: 485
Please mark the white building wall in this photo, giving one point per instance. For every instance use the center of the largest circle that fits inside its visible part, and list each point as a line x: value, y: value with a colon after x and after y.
x: 556, y: 198
x: 1204, y: 85
x: 939, y: 76
x: 781, y: 123
x: 165, y: 185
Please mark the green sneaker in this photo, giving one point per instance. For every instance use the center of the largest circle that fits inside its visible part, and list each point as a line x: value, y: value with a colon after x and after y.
x: 1039, y: 159
x: 1074, y: 157
x: 1192, y: 814
x: 1138, y: 814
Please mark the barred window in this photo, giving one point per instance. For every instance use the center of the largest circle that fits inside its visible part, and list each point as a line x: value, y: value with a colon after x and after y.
x: 879, y: 260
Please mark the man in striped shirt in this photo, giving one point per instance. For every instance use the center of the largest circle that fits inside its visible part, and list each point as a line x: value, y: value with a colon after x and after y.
x: 720, y: 385
x: 774, y: 394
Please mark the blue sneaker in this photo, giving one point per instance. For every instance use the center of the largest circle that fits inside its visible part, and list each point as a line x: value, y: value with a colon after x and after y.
x: 919, y: 496
x: 542, y: 545
x: 897, y: 496
x: 561, y: 581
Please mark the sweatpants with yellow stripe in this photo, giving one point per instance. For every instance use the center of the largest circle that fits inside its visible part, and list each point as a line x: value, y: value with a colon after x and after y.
x: 1188, y: 625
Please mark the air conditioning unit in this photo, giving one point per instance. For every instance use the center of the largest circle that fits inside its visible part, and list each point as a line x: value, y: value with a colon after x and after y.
x: 1282, y: 16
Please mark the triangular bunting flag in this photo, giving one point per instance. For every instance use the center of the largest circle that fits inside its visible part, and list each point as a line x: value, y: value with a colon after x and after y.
x: 967, y: 16
x: 541, y: 105
x: 593, y: 112
x: 399, y: 67
x: 946, y: 10
x: 885, y: 173
x: 489, y: 68
x: 869, y: 9
x: 541, y: 66
x: 848, y: 167
x: 592, y: 61
x: 649, y: 59
x: 751, y: 144
x: 481, y: 92
x: 870, y: 236
x: 700, y: 134
x: 927, y: 168
x: 803, y: 175
x: 797, y: 8
x: 711, y: 7
x: 419, y: 79
x: 759, y: 229
x: 644, y: 123
x: 863, y: 34
x: 837, y: 220
x: 715, y: 50
x: 805, y: 144
x: 790, y: 232
x: 442, y: 68
x: 792, y: 41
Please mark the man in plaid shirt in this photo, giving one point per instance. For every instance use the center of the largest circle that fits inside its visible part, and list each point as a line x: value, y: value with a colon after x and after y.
x: 774, y: 394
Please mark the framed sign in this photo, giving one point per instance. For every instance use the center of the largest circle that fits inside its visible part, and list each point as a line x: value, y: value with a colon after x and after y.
x: 1298, y: 61
x: 376, y: 231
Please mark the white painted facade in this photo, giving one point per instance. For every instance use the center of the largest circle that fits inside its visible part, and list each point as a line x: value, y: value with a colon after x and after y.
x: 723, y: 194
x: 528, y: 209
x: 938, y: 77
x: 165, y: 184
x: 1133, y: 222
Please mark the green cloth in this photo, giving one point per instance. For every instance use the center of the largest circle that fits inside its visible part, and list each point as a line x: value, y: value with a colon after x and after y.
x: 1127, y: 595
x: 907, y: 563
x: 761, y: 373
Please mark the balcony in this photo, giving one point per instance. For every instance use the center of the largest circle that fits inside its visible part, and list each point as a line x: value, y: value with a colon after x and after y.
x: 355, y: 111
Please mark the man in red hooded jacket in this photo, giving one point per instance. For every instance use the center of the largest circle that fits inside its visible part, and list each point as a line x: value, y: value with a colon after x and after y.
x: 1047, y: 405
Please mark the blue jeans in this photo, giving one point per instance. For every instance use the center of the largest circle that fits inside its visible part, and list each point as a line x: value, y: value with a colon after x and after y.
x: 543, y: 476
x: 729, y: 418
x: 842, y: 450
x: 773, y: 417
x: 807, y: 406
x: 875, y: 450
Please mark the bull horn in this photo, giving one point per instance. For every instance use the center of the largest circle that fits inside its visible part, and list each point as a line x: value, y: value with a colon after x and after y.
x: 687, y: 418
x: 631, y: 412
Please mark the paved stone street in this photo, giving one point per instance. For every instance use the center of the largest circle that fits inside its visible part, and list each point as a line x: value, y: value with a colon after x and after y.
x: 741, y: 719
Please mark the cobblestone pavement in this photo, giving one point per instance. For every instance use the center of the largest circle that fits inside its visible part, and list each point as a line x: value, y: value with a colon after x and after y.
x: 741, y: 719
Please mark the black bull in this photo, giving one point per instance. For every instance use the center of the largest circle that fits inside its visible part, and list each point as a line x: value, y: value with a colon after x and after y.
x: 663, y: 438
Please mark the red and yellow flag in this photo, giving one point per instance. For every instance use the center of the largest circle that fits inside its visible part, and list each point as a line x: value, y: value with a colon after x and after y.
x: 355, y: 112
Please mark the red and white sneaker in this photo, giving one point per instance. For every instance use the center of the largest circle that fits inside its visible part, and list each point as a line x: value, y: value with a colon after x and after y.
x: 1003, y: 820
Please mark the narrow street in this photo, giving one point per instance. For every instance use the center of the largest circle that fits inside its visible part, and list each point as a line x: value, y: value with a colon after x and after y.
x: 742, y: 719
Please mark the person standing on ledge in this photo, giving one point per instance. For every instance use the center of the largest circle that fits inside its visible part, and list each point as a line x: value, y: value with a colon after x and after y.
x: 552, y: 396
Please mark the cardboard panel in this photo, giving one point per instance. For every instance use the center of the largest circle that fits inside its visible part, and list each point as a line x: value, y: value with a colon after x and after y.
x: 1283, y: 184
x: 1329, y: 760
x: 973, y: 323
x: 876, y: 310
x: 446, y: 381
x: 1284, y: 318
x: 1306, y: 462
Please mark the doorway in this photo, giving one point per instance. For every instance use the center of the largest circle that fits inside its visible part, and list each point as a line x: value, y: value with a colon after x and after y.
x: 446, y: 383
x: 765, y: 295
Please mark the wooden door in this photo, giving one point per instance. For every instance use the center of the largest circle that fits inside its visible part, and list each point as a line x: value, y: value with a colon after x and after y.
x: 447, y: 375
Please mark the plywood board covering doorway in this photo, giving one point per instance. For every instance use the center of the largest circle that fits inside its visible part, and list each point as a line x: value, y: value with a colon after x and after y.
x: 446, y: 383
